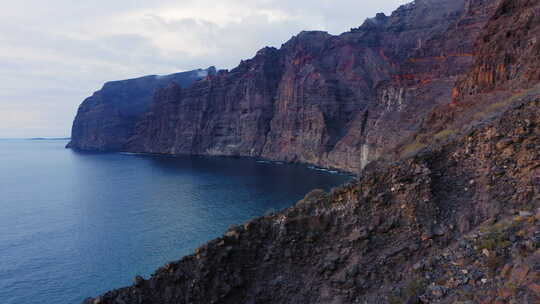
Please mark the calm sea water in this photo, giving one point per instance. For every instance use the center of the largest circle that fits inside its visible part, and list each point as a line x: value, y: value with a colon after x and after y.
x: 74, y: 225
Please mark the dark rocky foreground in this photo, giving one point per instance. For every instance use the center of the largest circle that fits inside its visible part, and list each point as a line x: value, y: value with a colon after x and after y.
x: 107, y: 119
x: 450, y: 215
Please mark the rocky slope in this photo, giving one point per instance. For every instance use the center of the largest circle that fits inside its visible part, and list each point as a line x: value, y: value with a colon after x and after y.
x: 107, y: 119
x: 334, y: 101
x: 457, y: 221
x: 505, y: 68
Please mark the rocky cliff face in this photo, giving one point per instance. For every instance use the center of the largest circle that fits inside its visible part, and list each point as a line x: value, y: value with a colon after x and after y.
x: 107, y: 119
x: 226, y: 114
x: 458, y: 221
x: 334, y: 101
x: 510, y: 49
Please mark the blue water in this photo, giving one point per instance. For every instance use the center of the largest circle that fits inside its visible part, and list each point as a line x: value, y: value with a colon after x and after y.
x: 74, y: 225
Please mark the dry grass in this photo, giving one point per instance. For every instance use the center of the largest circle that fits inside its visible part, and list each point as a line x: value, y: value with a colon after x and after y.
x: 444, y: 134
x: 491, y: 108
x: 412, y: 148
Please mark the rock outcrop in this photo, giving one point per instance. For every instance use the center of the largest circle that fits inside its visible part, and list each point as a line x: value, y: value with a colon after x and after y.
x: 107, y: 119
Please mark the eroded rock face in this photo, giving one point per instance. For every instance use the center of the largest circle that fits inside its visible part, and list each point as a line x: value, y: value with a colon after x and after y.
x: 507, y: 51
x: 333, y: 101
x: 504, y: 70
x: 106, y: 120
x: 226, y: 114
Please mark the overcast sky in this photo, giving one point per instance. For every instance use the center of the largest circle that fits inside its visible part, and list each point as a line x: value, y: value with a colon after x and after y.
x: 55, y: 53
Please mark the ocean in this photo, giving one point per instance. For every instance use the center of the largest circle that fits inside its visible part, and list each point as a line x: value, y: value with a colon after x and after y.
x: 74, y: 225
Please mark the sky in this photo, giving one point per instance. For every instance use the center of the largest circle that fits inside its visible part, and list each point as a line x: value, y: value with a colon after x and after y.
x: 56, y: 53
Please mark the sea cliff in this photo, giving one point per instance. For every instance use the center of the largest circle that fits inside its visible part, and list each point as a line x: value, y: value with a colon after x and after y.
x: 332, y: 101
x: 107, y: 119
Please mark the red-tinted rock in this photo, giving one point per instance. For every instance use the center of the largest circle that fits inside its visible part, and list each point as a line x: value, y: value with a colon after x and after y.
x: 507, y: 52
x: 334, y: 101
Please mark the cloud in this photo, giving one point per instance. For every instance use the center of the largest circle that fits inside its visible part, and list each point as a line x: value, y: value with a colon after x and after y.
x: 54, y: 54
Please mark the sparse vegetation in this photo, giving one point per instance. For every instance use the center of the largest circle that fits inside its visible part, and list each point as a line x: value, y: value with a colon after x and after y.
x: 494, y: 241
x: 494, y: 262
x: 499, y: 105
x: 412, y: 148
x: 394, y: 299
x: 497, y: 238
x: 511, y: 286
x: 415, y: 288
x: 444, y: 134
x: 466, y: 295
